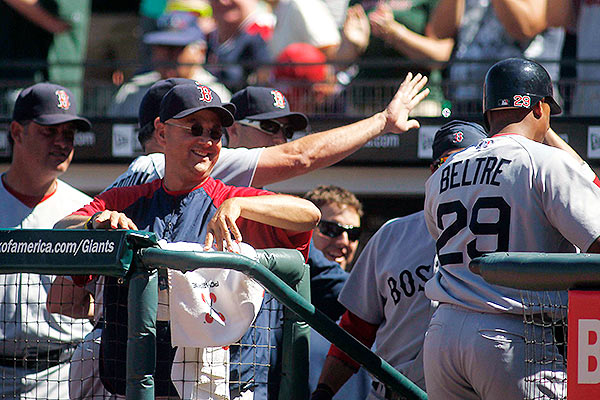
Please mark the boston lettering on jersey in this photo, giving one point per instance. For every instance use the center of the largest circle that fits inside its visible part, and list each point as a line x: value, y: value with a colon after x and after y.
x: 484, y: 170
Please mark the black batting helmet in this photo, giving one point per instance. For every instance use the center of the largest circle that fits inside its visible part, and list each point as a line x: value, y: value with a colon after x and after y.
x: 517, y: 83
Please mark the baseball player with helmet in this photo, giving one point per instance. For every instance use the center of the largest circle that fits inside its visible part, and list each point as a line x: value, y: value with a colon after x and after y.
x: 384, y: 295
x: 36, y: 345
x: 508, y: 193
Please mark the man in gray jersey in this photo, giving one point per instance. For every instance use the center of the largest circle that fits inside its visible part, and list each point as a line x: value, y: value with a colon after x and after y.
x: 384, y: 295
x: 509, y: 193
x: 35, y: 346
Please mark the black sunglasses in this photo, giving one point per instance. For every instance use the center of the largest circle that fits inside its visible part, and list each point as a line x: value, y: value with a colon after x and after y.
x: 198, y: 131
x: 270, y: 126
x: 334, y: 229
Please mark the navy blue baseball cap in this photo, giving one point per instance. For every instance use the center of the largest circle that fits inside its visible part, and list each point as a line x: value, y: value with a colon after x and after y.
x: 262, y: 103
x: 48, y: 104
x: 456, y: 135
x: 150, y: 105
x: 184, y: 100
x: 177, y: 28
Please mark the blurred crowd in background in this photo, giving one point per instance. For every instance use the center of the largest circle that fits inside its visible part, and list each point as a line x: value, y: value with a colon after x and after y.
x: 330, y: 57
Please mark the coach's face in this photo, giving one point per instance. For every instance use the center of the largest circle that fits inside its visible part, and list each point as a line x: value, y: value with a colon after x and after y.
x: 44, y: 148
x: 192, y: 145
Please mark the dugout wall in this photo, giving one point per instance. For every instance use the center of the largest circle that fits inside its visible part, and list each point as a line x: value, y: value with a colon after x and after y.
x: 132, y: 257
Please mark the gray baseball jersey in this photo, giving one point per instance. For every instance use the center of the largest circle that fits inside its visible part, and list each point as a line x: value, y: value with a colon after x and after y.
x: 387, y: 288
x: 234, y: 166
x: 26, y: 326
x: 508, y: 193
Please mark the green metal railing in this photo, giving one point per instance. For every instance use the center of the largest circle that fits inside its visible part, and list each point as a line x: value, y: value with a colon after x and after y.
x: 539, y: 271
x: 134, y: 257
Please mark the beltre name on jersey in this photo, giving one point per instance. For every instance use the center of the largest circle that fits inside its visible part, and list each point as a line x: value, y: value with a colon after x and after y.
x: 481, y: 171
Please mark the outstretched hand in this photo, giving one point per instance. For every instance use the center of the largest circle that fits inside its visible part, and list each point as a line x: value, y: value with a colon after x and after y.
x: 356, y: 27
x: 407, y: 97
x: 222, y: 226
x: 381, y: 20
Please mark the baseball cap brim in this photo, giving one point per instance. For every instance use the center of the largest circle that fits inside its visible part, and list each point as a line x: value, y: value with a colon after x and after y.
x: 298, y: 120
x: 225, y: 113
x: 82, y: 124
x: 174, y: 38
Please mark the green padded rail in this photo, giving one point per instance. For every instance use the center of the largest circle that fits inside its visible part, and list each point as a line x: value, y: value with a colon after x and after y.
x: 189, y: 260
x: 70, y: 251
x: 539, y: 271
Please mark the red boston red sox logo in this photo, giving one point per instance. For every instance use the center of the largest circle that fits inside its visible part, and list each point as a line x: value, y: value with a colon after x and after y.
x: 279, y: 99
x: 205, y: 93
x: 63, y: 99
x: 213, y: 313
x: 458, y: 137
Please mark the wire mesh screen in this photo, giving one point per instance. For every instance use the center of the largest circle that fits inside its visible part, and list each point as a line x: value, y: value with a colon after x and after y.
x: 36, y: 345
x: 545, y: 331
x: 47, y: 355
x: 256, y: 357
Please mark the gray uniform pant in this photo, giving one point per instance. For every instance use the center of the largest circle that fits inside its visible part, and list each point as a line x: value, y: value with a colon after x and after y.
x: 473, y: 355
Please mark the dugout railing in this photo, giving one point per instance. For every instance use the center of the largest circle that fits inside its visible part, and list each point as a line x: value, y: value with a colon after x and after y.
x: 561, y: 295
x: 135, y: 258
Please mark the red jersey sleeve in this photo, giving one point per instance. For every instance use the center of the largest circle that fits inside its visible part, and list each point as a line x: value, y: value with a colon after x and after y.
x: 118, y: 199
x: 256, y: 234
x: 360, y: 329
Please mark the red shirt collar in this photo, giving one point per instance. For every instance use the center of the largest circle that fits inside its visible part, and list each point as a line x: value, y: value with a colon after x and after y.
x: 29, y: 201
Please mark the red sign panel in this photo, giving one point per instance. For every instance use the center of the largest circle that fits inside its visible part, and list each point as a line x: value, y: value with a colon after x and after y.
x: 583, y: 364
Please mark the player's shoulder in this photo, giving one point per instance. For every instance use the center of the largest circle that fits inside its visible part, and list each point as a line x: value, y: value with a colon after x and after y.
x: 133, y: 192
x: 402, y: 226
x: 147, y: 163
x: 228, y: 153
x: 67, y: 191
x: 542, y: 155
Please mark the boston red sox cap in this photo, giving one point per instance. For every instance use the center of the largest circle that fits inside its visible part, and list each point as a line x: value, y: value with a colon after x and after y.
x: 183, y: 100
x: 150, y: 105
x: 262, y: 103
x: 48, y: 104
x: 456, y: 135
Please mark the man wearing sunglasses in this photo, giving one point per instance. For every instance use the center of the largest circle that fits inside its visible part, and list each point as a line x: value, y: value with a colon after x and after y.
x: 260, y: 166
x: 263, y: 118
x: 339, y: 229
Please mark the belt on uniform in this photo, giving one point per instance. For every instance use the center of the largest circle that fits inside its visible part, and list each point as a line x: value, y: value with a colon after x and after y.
x: 40, y: 361
x: 387, y: 392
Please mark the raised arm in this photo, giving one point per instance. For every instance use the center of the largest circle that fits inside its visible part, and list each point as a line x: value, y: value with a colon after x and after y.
x: 522, y: 19
x: 355, y: 34
x: 552, y: 139
x: 445, y: 19
x: 31, y: 10
x: 279, y: 210
x: 319, y: 150
x: 407, y: 42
